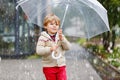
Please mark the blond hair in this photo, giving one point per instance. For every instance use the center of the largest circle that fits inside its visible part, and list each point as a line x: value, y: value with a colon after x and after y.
x: 50, y: 18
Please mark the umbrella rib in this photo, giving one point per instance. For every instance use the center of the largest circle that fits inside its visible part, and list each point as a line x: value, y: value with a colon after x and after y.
x: 20, y: 3
x: 87, y: 34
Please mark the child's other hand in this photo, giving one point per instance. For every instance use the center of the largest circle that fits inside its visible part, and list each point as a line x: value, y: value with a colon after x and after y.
x: 60, y: 34
x: 53, y: 48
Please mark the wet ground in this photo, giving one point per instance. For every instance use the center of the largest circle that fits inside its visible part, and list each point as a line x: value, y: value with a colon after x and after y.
x: 78, y: 67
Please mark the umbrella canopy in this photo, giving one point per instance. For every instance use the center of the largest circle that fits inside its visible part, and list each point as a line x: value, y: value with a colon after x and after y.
x: 80, y: 18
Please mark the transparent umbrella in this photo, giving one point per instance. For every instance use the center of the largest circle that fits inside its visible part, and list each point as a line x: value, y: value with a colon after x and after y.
x: 79, y: 18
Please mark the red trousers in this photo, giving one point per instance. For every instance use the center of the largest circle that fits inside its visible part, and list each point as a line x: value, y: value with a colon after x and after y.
x: 55, y: 73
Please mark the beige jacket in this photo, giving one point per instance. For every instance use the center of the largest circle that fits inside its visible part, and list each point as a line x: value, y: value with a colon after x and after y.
x: 43, y: 48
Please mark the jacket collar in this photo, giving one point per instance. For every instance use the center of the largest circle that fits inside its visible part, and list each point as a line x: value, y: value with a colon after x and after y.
x: 45, y: 34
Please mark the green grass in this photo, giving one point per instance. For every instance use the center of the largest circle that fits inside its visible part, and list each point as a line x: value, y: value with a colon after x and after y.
x: 35, y: 56
x: 81, y: 41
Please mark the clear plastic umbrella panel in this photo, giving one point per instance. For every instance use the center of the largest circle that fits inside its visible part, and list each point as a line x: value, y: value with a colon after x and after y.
x: 79, y: 18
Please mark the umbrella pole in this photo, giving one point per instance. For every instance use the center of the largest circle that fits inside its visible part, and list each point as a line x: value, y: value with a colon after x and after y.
x: 64, y: 15
x: 53, y: 53
x: 62, y: 20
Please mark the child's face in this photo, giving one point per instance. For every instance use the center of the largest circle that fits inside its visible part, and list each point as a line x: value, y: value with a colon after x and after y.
x: 52, y: 27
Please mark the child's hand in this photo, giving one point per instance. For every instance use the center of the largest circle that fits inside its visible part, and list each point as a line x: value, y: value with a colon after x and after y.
x: 60, y: 34
x: 53, y: 48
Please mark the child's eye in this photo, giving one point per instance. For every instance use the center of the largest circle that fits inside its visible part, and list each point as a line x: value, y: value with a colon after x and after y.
x: 51, y: 23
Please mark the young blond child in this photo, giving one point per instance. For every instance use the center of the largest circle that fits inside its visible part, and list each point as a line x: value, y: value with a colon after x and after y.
x: 53, y: 69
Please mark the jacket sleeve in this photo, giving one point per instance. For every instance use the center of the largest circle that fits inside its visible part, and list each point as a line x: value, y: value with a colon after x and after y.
x: 41, y: 49
x: 65, y: 44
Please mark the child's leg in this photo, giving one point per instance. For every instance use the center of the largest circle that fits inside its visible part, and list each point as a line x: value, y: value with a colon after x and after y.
x: 50, y: 73
x: 62, y: 73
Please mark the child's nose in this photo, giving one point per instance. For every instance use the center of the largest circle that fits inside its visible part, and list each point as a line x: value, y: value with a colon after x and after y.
x: 54, y: 25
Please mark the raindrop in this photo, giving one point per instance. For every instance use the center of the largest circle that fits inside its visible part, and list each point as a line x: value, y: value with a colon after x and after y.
x: 25, y: 66
x: 21, y: 52
x: 27, y: 73
x: 91, y: 78
x: 0, y: 59
x: 31, y: 65
x: 87, y: 65
x: 113, y: 74
x: 95, y: 61
x: 103, y: 64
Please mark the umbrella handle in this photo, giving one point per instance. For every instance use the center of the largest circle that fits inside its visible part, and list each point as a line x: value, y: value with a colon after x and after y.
x: 54, y: 57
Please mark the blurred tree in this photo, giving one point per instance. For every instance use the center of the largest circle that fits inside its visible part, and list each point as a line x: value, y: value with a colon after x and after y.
x: 113, y: 8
